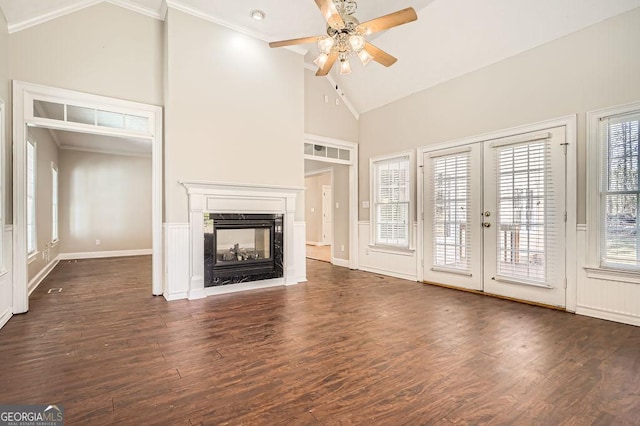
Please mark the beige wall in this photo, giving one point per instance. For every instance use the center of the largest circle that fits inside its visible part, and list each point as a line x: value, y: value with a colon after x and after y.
x: 46, y: 153
x: 590, y: 69
x: 234, y: 110
x: 5, y: 95
x: 326, y: 118
x: 313, y: 205
x: 103, y: 49
x: 340, y: 189
x: 104, y: 197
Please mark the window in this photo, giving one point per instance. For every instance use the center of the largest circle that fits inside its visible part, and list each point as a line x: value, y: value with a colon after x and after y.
x: 31, y: 197
x: 392, y: 193
x: 54, y: 203
x: 614, y: 148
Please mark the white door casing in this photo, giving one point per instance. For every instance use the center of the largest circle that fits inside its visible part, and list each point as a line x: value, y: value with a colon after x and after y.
x: 496, y: 238
x: 327, y: 216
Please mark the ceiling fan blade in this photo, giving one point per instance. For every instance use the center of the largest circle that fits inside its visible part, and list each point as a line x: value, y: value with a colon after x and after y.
x: 380, y: 55
x: 293, y: 41
x: 330, y: 13
x: 389, y: 21
x: 327, y: 65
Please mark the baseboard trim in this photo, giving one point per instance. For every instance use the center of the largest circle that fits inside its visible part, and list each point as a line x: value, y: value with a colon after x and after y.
x: 5, y: 317
x: 175, y: 296
x: 343, y: 263
x: 100, y: 254
x: 607, y: 315
x: 35, y: 282
x: 389, y: 273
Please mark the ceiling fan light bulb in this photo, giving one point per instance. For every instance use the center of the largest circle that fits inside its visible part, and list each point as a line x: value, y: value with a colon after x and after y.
x: 345, y: 67
x: 357, y: 42
x: 365, y: 57
x: 325, y: 44
x: 321, y: 60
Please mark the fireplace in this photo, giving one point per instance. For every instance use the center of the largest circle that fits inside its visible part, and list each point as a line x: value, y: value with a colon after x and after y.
x: 241, y: 248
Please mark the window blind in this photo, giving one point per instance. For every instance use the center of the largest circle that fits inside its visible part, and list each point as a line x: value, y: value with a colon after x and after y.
x: 526, y: 214
x: 392, y: 197
x: 620, y: 192
x: 450, y: 188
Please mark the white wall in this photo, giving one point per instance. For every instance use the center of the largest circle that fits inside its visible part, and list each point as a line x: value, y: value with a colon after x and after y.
x: 104, y: 197
x: 46, y: 153
x: 590, y: 69
x: 234, y: 110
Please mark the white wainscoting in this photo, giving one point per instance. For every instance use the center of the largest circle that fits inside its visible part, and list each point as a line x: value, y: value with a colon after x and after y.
x: 176, y: 250
x: 35, y: 281
x: 6, y: 278
x: 100, y: 254
x: 606, y: 299
x: 300, y: 231
x: 386, y: 262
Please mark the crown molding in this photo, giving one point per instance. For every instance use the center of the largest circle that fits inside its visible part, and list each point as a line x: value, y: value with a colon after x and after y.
x: 105, y: 151
x: 180, y: 6
x: 37, y: 20
x: 83, y: 4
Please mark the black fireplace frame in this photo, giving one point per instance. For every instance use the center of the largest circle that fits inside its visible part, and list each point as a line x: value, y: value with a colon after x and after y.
x: 219, y: 272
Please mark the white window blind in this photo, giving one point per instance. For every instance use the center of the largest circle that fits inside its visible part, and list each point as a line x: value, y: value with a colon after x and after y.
x: 450, y: 182
x: 620, y: 192
x: 54, y: 203
x: 391, y: 201
x: 31, y: 197
x: 527, y: 229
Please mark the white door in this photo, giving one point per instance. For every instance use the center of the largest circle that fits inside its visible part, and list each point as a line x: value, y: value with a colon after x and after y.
x: 495, y: 217
x: 326, y: 214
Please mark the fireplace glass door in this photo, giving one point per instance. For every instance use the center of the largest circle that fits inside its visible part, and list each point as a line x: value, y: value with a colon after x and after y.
x: 241, y: 245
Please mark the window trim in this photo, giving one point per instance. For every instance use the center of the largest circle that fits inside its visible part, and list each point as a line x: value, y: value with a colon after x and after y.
x: 410, y: 248
x: 55, y: 225
x: 594, y: 267
x: 31, y: 253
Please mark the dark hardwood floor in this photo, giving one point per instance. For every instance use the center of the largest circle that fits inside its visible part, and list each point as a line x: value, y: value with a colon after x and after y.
x: 347, y: 347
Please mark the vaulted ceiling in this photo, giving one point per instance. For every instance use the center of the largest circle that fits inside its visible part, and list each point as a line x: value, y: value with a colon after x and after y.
x: 450, y: 38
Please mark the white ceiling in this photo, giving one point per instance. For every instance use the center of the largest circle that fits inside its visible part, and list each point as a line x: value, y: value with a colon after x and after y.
x: 450, y: 38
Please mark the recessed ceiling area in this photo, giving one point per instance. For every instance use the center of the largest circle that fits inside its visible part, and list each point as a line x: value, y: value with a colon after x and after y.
x: 102, y: 144
x: 450, y: 38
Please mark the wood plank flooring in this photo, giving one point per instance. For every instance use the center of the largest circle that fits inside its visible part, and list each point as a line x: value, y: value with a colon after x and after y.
x: 347, y: 347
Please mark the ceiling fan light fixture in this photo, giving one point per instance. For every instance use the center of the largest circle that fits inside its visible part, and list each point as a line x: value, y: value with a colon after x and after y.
x: 357, y: 42
x: 345, y: 67
x: 321, y: 60
x: 325, y: 44
x: 365, y: 57
x: 258, y: 15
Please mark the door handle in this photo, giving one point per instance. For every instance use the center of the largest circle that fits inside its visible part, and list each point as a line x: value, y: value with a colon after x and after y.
x: 486, y: 224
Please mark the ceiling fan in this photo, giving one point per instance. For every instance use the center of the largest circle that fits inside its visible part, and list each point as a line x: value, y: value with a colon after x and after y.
x: 345, y: 36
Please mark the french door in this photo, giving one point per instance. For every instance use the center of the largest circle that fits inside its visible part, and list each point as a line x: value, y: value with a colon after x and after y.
x: 494, y: 217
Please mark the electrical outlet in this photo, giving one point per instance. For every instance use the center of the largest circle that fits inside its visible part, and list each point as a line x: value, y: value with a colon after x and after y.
x: 365, y: 204
x: 337, y: 101
x: 337, y: 205
x: 312, y: 210
x: 341, y: 248
x: 98, y: 242
x: 326, y: 99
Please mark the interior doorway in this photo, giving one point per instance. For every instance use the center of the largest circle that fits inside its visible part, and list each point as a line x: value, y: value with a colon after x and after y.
x: 494, y: 216
x: 319, y: 215
x: 36, y: 106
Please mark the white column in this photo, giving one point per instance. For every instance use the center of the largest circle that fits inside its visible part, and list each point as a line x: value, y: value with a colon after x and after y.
x: 196, y: 220
x: 289, y: 246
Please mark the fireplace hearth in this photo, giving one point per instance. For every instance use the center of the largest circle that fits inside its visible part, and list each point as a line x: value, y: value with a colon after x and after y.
x: 241, y: 248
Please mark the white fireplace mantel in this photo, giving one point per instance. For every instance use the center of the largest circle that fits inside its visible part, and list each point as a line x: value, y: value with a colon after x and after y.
x: 218, y: 197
